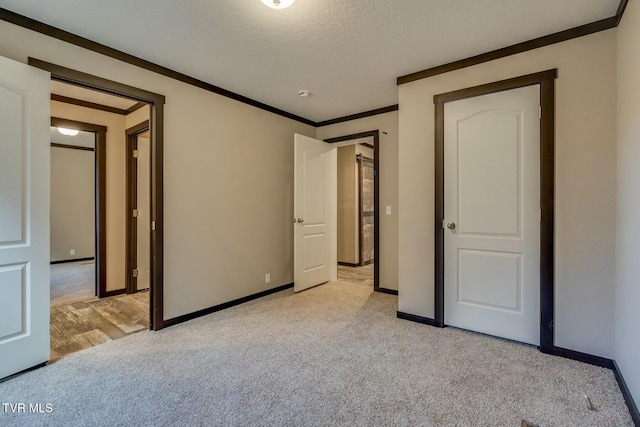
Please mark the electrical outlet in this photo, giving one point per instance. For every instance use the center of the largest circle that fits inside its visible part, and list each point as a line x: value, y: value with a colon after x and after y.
x: 388, y: 210
x: 72, y: 252
x: 267, y: 278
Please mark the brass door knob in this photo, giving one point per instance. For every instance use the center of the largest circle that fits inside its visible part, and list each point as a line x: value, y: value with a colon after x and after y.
x: 451, y: 225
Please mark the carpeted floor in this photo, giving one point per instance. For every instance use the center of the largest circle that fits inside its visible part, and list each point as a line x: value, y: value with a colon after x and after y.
x: 74, y: 281
x: 333, y: 355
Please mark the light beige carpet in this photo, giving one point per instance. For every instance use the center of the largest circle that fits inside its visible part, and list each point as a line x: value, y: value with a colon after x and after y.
x: 332, y: 355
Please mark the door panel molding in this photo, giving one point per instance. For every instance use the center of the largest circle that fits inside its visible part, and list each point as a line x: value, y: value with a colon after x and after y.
x: 24, y: 216
x: 156, y: 102
x: 546, y: 80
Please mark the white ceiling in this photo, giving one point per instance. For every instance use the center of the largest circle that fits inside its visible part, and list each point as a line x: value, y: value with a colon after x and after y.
x: 346, y: 53
x: 77, y: 92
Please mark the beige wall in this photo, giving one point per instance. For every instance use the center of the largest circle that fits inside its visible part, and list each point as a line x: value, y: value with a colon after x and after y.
x: 137, y: 117
x: 388, y: 122
x: 365, y: 151
x: 220, y: 239
x: 72, y: 204
x: 348, y: 237
x: 628, y: 209
x: 585, y: 184
x: 116, y: 178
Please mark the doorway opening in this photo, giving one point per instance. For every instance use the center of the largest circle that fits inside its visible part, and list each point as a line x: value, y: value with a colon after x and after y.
x: 356, y: 232
x: 359, y: 209
x: 116, y: 313
x: 74, y: 229
x: 88, y: 301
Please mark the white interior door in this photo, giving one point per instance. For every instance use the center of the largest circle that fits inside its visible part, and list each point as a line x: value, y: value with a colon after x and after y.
x: 144, y: 218
x: 24, y: 216
x: 315, y: 214
x: 492, y: 216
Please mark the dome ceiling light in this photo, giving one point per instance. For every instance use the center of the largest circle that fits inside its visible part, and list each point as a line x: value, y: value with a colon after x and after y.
x: 68, y: 132
x: 278, y: 4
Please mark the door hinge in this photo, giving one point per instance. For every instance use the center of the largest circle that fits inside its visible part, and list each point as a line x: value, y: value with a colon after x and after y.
x: 136, y: 154
x: 135, y: 272
x: 153, y: 225
x: 539, y: 111
x: 135, y: 213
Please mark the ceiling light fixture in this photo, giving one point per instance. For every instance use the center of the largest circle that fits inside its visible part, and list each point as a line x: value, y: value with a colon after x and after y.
x: 278, y: 4
x: 68, y: 132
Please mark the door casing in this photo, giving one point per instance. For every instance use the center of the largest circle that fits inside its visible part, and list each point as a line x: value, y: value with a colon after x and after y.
x: 546, y: 80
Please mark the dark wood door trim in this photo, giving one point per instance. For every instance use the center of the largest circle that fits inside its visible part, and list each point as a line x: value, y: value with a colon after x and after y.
x: 100, y: 171
x: 57, y: 33
x: 561, y: 36
x: 131, y: 231
x: 360, y: 218
x: 156, y: 102
x: 350, y: 117
x: 72, y: 147
x: 546, y: 80
x: 376, y: 195
x: 87, y: 104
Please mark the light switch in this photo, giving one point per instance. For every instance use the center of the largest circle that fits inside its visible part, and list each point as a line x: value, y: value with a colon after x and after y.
x: 388, y: 210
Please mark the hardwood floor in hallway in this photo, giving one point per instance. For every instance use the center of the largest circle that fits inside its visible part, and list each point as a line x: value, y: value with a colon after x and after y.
x: 357, y: 275
x: 85, y: 324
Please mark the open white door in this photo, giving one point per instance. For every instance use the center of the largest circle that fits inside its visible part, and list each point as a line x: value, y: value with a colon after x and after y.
x: 314, y: 211
x: 24, y: 216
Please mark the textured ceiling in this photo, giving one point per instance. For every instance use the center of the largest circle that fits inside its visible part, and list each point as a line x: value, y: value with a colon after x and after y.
x: 346, y: 53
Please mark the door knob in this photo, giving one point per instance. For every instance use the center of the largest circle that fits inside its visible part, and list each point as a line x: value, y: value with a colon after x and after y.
x: 451, y: 225
x: 300, y: 220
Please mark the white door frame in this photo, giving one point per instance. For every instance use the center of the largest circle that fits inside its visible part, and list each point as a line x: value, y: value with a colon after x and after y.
x: 546, y: 80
